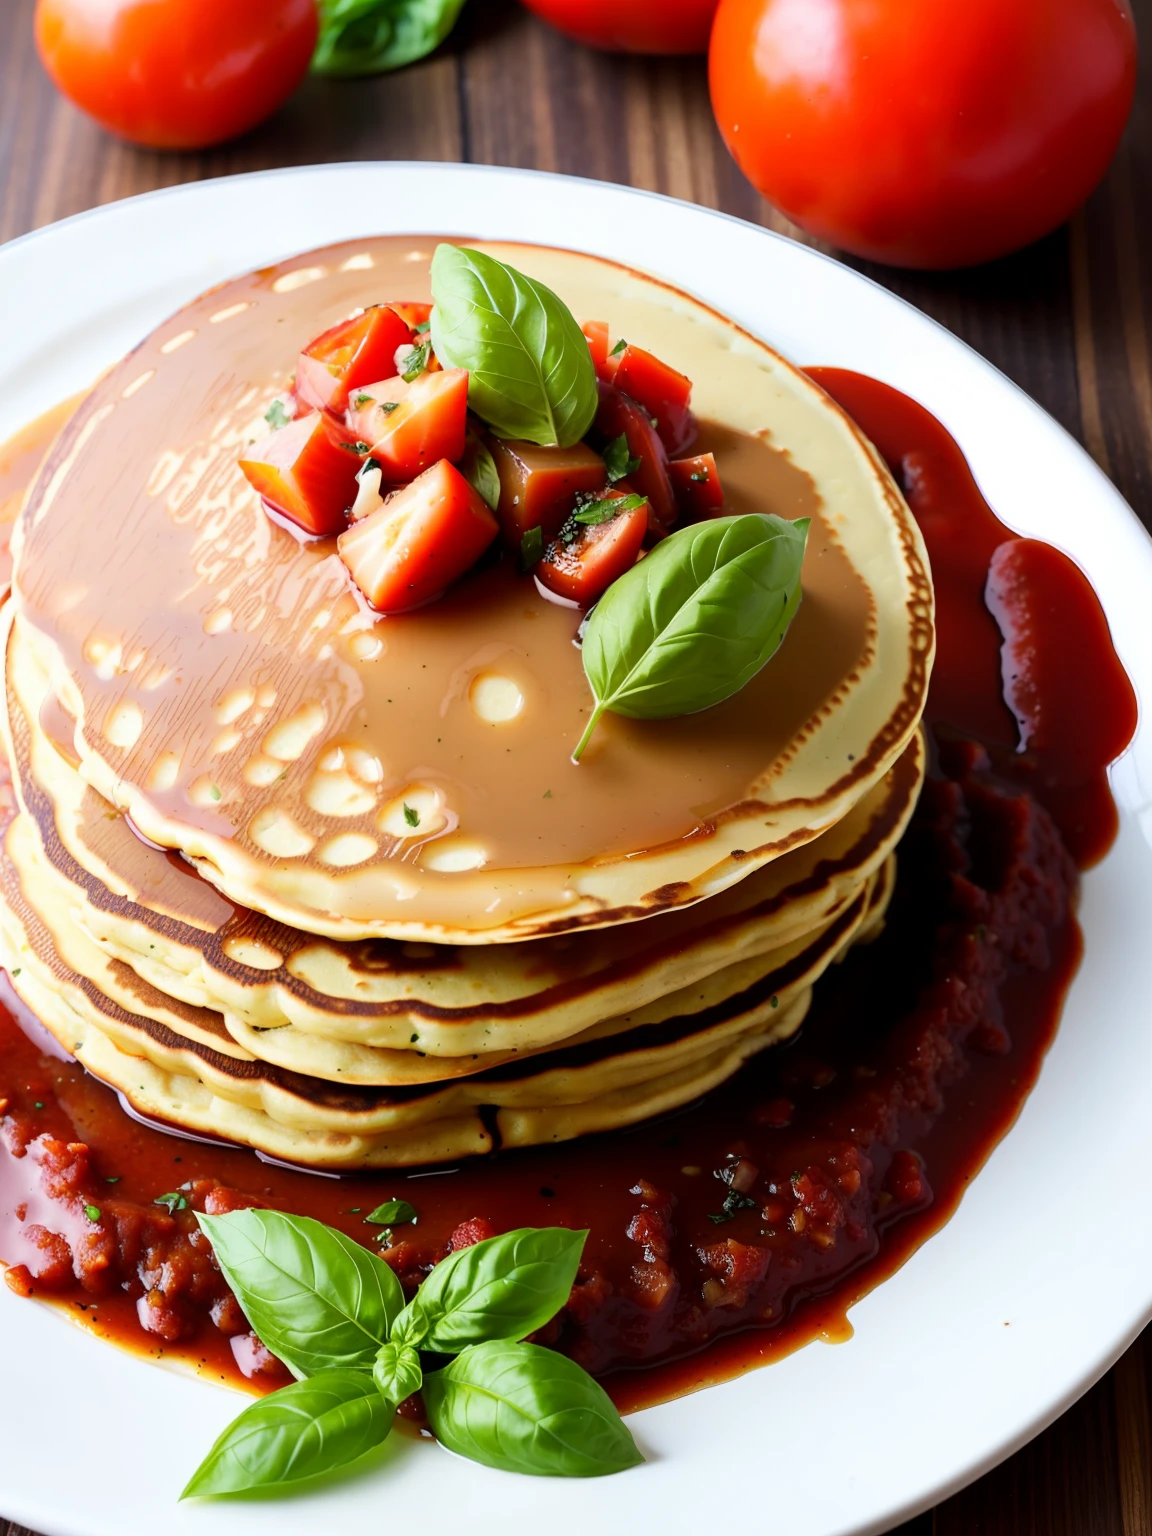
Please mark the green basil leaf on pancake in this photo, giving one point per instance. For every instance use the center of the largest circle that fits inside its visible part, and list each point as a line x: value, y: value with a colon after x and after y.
x: 502, y: 1288
x: 695, y: 620
x: 314, y: 1297
x: 521, y: 1408
x: 291, y: 1436
x: 397, y: 1372
x: 530, y: 373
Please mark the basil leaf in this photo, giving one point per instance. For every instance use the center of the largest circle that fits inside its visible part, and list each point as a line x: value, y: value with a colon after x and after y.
x: 392, y: 1211
x: 530, y: 373
x: 531, y: 548
x: 695, y: 621
x: 314, y: 1297
x: 397, y: 1372
x: 592, y: 513
x: 618, y: 461
x: 369, y: 37
x: 416, y: 362
x: 501, y: 1288
x: 521, y: 1408
x: 306, y: 1429
x: 479, y: 469
x: 277, y: 415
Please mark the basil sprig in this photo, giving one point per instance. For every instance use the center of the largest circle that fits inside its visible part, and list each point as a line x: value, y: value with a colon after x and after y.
x: 479, y: 469
x: 321, y: 1303
x: 369, y: 37
x: 695, y: 621
x: 530, y: 373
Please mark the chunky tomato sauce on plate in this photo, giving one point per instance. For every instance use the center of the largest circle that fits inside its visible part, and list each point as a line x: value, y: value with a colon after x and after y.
x: 729, y: 1232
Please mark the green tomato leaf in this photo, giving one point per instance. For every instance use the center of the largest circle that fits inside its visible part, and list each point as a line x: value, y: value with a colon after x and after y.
x: 502, y: 1288
x: 479, y: 469
x: 369, y: 37
x: 530, y: 373
x: 306, y: 1429
x: 521, y: 1408
x: 314, y: 1297
x: 397, y: 1372
x: 695, y: 621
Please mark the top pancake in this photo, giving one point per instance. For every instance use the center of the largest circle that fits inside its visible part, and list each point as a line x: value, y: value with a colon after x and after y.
x: 223, y: 683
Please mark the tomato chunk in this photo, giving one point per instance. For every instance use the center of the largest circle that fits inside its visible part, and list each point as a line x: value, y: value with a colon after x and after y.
x: 583, y: 561
x: 348, y: 355
x: 662, y: 391
x: 618, y: 414
x: 409, y: 427
x: 596, y: 332
x: 538, y: 486
x: 413, y: 314
x: 696, y: 482
x: 419, y: 541
x: 306, y: 472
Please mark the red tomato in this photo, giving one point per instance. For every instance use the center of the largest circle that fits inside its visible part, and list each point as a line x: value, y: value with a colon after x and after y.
x: 306, y: 472
x: 415, y: 314
x: 662, y: 391
x: 350, y: 354
x: 636, y: 26
x: 618, y: 414
x: 538, y: 486
x: 419, y: 541
x: 583, y: 568
x: 596, y: 334
x: 410, y: 426
x: 176, y: 74
x: 921, y: 133
x: 696, y: 483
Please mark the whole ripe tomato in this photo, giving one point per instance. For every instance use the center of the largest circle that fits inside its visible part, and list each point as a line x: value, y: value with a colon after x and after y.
x: 635, y: 26
x: 921, y: 132
x: 176, y: 74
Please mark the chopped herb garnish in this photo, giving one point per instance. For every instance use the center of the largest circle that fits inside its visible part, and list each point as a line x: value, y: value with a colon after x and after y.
x: 359, y: 446
x: 547, y: 794
x: 775, y: 1001
x: 618, y: 348
x: 618, y: 461
x: 15, y: 971
x: 174, y: 1201
x: 112, y: 1178
x: 214, y: 791
x: 92, y: 1212
x: 416, y: 362
x: 276, y: 416
x: 733, y: 1202
x: 388, y: 406
x: 411, y: 815
x: 531, y: 548
x: 392, y: 1211
x: 593, y: 513
x: 354, y: 1210
x: 412, y: 1039
x: 39, y: 1104
x: 655, y: 420
x: 362, y: 399
x: 425, y: 325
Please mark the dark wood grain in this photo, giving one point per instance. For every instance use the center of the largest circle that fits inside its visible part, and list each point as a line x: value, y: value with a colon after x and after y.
x: 1070, y: 320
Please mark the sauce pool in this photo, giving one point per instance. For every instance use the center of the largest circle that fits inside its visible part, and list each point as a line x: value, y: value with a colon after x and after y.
x: 853, y: 1143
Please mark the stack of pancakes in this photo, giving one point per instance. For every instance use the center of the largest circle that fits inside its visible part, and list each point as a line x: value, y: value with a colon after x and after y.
x: 294, y: 875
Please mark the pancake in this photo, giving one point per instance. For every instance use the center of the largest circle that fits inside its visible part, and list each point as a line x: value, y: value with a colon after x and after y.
x: 384, y: 1011
x: 179, y: 1066
x: 220, y: 682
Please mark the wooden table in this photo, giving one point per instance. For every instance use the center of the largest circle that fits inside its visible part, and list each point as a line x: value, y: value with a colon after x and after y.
x: 1070, y: 320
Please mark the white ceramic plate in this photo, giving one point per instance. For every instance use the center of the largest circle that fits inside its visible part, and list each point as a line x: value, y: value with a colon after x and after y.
x: 934, y: 1388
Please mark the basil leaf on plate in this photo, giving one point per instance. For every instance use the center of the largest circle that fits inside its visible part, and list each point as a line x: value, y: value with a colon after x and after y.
x: 618, y: 461
x: 530, y: 373
x: 369, y: 37
x: 314, y: 1297
x: 397, y: 1372
x: 300, y: 1432
x: 502, y: 1288
x: 479, y: 469
x: 393, y: 1212
x: 694, y: 621
x: 521, y: 1408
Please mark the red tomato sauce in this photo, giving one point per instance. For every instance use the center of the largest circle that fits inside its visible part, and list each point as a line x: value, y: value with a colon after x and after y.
x: 730, y: 1232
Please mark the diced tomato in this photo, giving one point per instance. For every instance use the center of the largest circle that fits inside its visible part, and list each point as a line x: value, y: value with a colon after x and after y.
x: 307, y: 472
x: 420, y: 540
x: 596, y: 332
x: 662, y: 391
x: 348, y: 355
x: 538, y: 486
x: 583, y: 567
x: 413, y: 314
x: 618, y: 414
x: 409, y: 427
x: 696, y: 482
